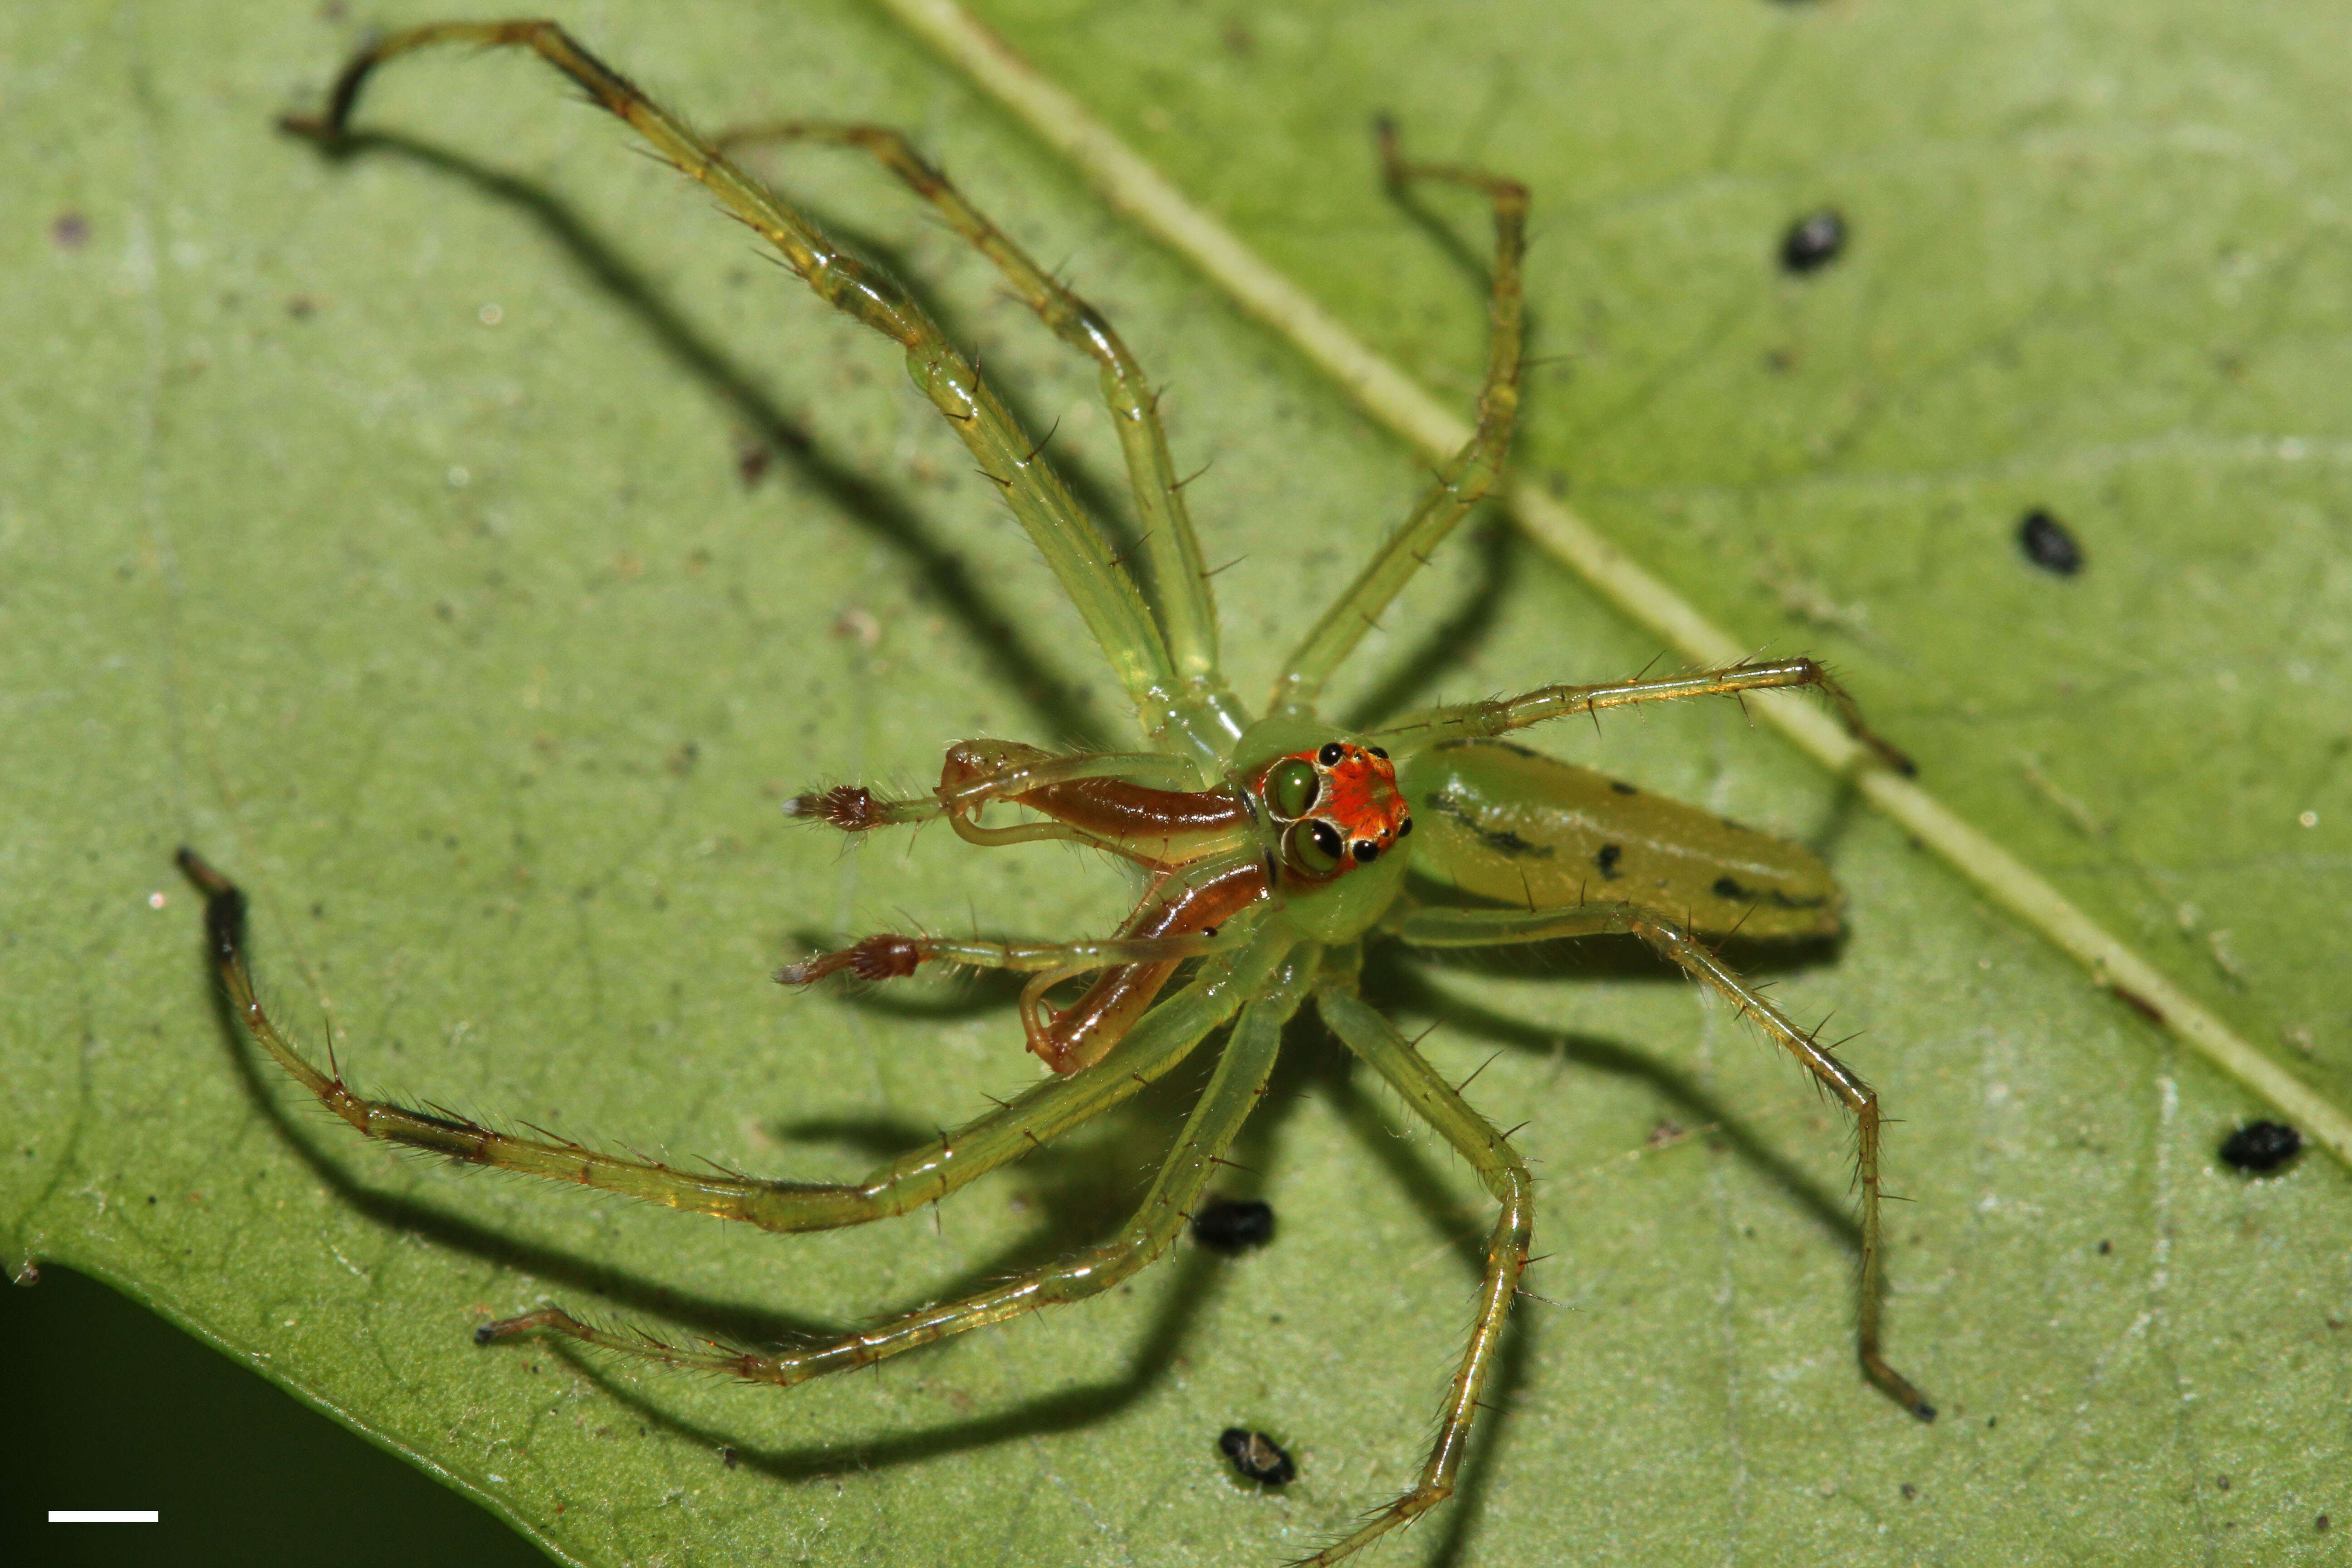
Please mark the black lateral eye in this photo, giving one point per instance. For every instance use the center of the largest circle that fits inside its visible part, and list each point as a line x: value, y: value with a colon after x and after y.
x: 1404, y: 827
x: 1365, y: 851
x: 1330, y: 754
x: 1327, y: 837
x: 1379, y: 752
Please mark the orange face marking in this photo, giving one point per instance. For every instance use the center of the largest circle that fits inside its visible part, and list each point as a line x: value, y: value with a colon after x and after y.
x: 1356, y: 812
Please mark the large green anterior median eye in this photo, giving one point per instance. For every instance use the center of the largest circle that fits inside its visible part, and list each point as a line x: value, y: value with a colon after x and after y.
x: 1314, y: 848
x: 1291, y: 789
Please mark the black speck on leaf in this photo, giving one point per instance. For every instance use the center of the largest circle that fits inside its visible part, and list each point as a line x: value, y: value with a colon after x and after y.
x: 1256, y: 1457
x: 2047, y: 543
x: 1234, y: 1225
x: 2260, y: 1147
x: 1814, y: 241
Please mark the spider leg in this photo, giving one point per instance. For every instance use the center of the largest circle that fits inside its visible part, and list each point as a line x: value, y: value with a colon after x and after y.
x: 1233, y: 1093
x: 1145, y: 964
x: 1020, y: 770
x: 1374, y: 1038
x: 1479, y: 720
x: 1163, y: 1039
x: 1485, y: 928
x: 964, y: 789
x: 1464, y: 481
x: 1081, y: 558
x: 1092, y: 798
x: 853, y: 809
x: 1188, y: 610
x: 889, y: 957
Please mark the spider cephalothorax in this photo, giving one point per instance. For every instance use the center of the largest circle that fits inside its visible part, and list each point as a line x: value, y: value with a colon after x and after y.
x: 1270, y: 849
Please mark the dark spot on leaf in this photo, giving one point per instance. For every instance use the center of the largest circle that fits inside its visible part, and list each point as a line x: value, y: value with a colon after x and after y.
x: 1814, y: 241
x: 1256, y: 1457
x: 2260, y: 1147
x: 1234, y: 1225
x: 2047, y: 543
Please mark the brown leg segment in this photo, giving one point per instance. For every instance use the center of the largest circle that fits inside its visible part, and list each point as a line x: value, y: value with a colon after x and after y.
x: 1197, y: 900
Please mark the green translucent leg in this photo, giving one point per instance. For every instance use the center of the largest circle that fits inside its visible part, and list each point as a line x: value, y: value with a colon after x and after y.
x: 1073, y: 546
x: 1151, y: 1049
x: 1487, y: 928
x: 1479, y: 720
x: 1188, y: 611
x: 1391, y: 1056
x: 1464, y: 481
x: 891, y: 957
x: 1233, y: 1093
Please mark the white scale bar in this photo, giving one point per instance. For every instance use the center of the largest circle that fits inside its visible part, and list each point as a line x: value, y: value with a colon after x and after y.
x: 105, y: 1516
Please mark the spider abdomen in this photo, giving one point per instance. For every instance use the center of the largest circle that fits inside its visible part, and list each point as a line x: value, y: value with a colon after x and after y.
x: 1499, y: 821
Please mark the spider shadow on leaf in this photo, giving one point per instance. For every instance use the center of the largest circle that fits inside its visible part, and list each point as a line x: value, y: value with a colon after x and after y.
x: 969, y: 994
x: 1181, y: 1300
x: 438, y: 1226
x: 1073, y: 1184
x: 1089, y: 1184
x: 1463, y: 257
x: 1405, y: 988
x: 1408, y: 1161
x: 1453, y: 643
x: 1072, y: 1191
x: 993, y: 633
x: 1078, y: 1185
x: 1079, y: 1188
x: 1127, y: 637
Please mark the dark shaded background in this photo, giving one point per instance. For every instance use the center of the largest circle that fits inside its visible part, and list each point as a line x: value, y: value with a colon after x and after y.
x: 110, y: 1407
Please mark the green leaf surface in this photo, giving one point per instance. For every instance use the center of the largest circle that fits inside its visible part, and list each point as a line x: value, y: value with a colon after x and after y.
x: 382, y: 527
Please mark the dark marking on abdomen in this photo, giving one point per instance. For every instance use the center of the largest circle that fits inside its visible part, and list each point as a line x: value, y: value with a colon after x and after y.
x: 1728, y: 886
x: 1501, y: 840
